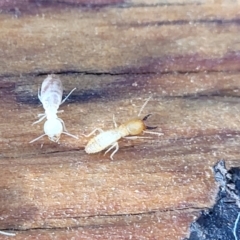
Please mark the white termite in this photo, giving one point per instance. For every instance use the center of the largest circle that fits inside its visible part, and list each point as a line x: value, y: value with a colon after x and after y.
x: 110, y: 137
x: 51, y: 99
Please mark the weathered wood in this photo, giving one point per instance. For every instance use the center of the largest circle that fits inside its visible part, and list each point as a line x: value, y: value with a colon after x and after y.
x: 166, y: 173
x: 120, y: 40
x: 133, y: 227
x: 185, y: 55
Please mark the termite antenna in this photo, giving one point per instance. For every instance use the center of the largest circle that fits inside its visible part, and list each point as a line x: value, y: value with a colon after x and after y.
x: 143, y: 106
x: 43, y: 116
x: 69, y: 134
x: 7, y: 234
x: 67, y: 96
x: 37, y: 138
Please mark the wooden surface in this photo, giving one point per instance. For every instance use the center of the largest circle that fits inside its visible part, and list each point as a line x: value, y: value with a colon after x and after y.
x: 185, y: 54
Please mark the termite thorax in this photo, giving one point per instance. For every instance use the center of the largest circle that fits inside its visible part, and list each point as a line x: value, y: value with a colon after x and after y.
x: 51, y: 114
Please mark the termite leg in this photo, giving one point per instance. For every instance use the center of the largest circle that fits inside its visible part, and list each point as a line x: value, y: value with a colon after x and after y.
x: 60, y: 111
x: 37, y: 138
x: 40, y: 119
x: 65, y: 131
x: 69, y: 134
x: 156, y: 133
x: 7, y: 234
x: 135, y: 137
x: 91, y: 133
x: 41, y: 114
x: 113, y: 145
x: 64, y: 127
x: 67, y: 96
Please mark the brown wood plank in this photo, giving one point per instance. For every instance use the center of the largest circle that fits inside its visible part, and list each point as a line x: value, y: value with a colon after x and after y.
x: 55, y: 190
x: 117, y: 54
x: 103, y: 100
x: 167, y: 173
x: 120, y: 40
x: 165, y: 225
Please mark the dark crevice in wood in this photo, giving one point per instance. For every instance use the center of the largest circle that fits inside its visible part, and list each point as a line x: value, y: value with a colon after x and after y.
x: 184, y: 22
x: 165, y: 4
x: 130, y: 73
x: 96, y: 95
x: 140, y: 215
x: 206, y: 95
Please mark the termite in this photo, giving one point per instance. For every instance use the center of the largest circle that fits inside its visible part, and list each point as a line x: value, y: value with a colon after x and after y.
x: 51, y: 99
x: 110, y: 138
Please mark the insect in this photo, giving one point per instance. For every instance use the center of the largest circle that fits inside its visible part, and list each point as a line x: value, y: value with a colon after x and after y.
x: 131, y: 128
x: 51, y: 99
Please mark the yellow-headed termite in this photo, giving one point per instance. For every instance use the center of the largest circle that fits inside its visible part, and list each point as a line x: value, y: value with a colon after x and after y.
x: 109, y: 138
x: 51, y: 99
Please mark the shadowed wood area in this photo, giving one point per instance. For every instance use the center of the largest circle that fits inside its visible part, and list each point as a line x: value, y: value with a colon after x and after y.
x: 183, y: 53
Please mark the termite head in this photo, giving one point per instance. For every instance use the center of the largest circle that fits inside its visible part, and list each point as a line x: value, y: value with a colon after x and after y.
x: 134, y: 127
x: 53, y: 129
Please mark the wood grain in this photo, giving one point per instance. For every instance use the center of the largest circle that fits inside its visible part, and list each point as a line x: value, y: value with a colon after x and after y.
x: 185, y: 54
x: 120, y: 40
